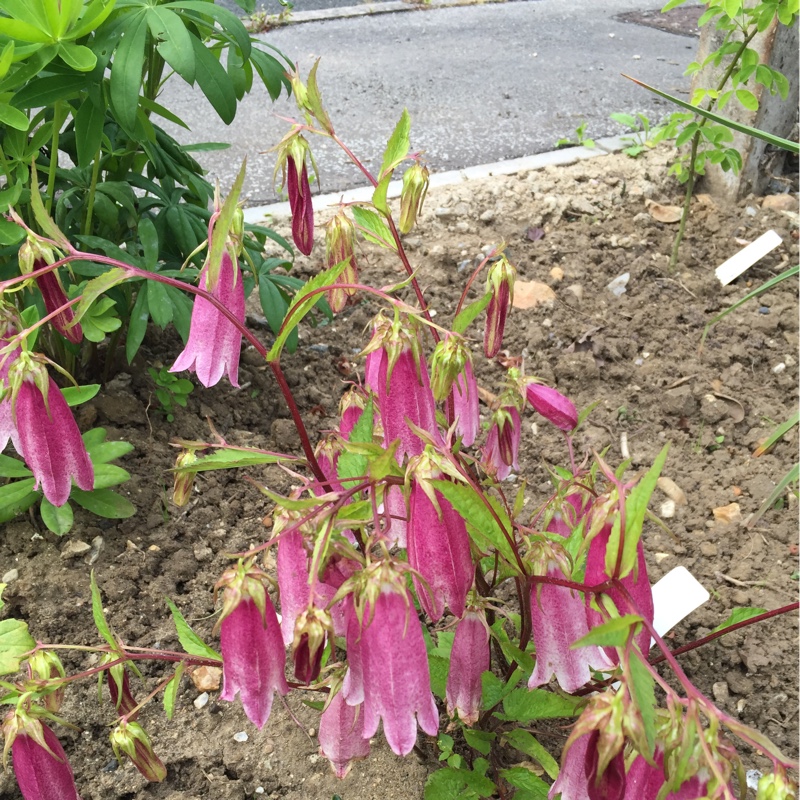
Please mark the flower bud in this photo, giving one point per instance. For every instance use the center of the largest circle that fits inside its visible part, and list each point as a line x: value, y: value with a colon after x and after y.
x: 184, y: 478
x: 500, y: 284
x: 310, y: 633
x: 501, y: 451
x: 449, y: 358
x: 130, y: 739
x: 119, y: 687
x: 340, y: 238
x: 412, y: 195
x: 552, y: 405
x: 776, y: 786
x: 45, y: 665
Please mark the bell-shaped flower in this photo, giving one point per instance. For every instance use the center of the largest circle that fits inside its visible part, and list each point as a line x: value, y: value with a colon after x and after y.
x: 385, y: 636
x: 397, y: 374
x: 552, y: 405
x: 437, y: 542
x: 466, y: 409
x: 341, y: 735
x: 40, y: 763
x: 311, y: 631
x: 452, y: 379
x: 501, y: 451
x: 636, y: 583
x: 644, y: 781
x: 558, y: 619
x: 253, y: 654
x: 500, y: 284
x: 292, y: 152
x: 469, y: 659
x: 214, y: 341
x: 47, y: 435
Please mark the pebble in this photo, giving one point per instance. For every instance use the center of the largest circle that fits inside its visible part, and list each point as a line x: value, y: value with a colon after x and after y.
x: 201, y: 701
x: 487, y: 215
x: 10, y: 576
x: 557, y: 274
x: 753, y: 776
x: 667, y: 510
x: 577, y: 290
x: 750, y: 211
x: 206, y: 679
x: 240, y: 737
x: 778, y: 368
x: 202, y: 552
x: 320, y: 348
x: 721, y: 691
x: 75, y: 548
x: 617, y: 287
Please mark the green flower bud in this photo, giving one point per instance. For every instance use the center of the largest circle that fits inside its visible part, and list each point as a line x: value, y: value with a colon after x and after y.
x: 412, y: 195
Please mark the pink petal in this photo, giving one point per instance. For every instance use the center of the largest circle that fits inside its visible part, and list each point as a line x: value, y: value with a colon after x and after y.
x: 42, y: 775
x: 469, y: 659
x: 292, y: 568
x: 466, y: 407
x: 553, y: 406
x: 341, y: 735
x: 571, y: 781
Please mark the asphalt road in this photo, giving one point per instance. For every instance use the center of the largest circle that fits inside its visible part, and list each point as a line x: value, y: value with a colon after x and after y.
x: 482, y: 83
x: 274, y: 6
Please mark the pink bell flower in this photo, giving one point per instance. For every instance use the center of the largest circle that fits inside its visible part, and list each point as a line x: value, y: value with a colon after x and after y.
x: 578, y: 779
x: 253, y: 654
x: 465, y: 406
x: 292, y: 569
x: 341, y: 735
x: 469, y: 659
x: 40, y: 763
x: 501, y: 450
x: 573, y: 509
x: 214, y: 341
x: 552, y: 405
x: 636, y: 583
x: 47, y: 435
x: 644, y: 781
x: 438, y: 545
x: 389, y: 652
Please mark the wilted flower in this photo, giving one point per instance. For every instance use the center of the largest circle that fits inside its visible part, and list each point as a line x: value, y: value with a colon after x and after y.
x: 40, y: 763
x: 253, y: 653
x: 501, y: 450
x: 572, y: 511
x: 340, y: 238
x: 48, y: 438
x: 552, y: 405
x: 389, y: 665
x: 412, y: 195
x: 341, y: 735
x: 500, y: 284
x: 214, y: 341
x: 469, y: 659
x: 437, y: 542
x: 130, y: 739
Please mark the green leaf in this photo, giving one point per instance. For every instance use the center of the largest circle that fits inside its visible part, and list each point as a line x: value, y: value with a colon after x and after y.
x: 10, y: 232
x: 229, y: 459
x: 99, y: 614
x: 451, y: 783
x: 613, y: 633
x: 57, y: 519
x: 481, y: 524
x: 214, y: 81
x: 532, y: 786
x: 76, y: 395
x: 137, y: 324
x: 189, y: 640
x: 104, y: 503
x: 642, y: 688
x: 315, y: 99
x: 13, y: 117
x: 373, y: 227
x: 148, y: 236
x: 350, y: 464
x: 15, y: 641
x: 126, y: 71
x: 739, y: 615
x: 106, y: 475
x: 523, y: 705
x: 174, y: 41
x: 222, y: 227
x: 467, y: 314
x: 397, y: 148
x: 479, y: 740
x: 171, y: 690
x: 13, y: 468
x: 528, y: 744
x: 101, y: 452
x: 97, y: 287
x: 379, y: 195
x: 302, y: 303
x: 232, y: 25
x: 159, y: 303
x: 17, y: 497
x: 438, y: 667
x: 77, y: 56
x: 494, y: 689
x: 89, y: 123
x: 747, y: 99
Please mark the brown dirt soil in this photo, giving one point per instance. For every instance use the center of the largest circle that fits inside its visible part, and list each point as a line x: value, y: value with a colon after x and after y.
x: 638, y: 354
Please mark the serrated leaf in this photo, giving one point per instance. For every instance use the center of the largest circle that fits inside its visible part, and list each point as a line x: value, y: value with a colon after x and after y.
x: 189, y: 640
x: 465, y: 784
x: 532, y: 786
x: 171, y: 691
x: 303, y: 302
x: 75, y: 395
x: 100, y: 621
x: 467, y: 314
x: 613, y: 633
x: 523, y: 705
x: 739, y: 615
x: 373, y: 227
x: 13, y: 468
x: 15, y: 641
x: 104, y: 503
x: 57, y: 519
x: 481, y: 524
x: 98, y: 286
x: 397, y: 148
x: 527, y: 743
x: 642, y: 688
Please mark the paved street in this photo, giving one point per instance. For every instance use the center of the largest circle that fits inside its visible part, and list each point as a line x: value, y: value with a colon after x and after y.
x: 482, y: 83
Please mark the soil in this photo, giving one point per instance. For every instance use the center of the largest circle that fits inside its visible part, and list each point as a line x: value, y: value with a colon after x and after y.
x: 573, y: 228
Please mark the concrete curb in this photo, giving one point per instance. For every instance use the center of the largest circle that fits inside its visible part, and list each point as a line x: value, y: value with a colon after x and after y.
x: 554, y: 158
x: 369, y: 9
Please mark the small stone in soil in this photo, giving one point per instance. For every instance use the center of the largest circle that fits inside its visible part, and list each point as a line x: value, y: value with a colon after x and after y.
x: 201, y: 701
x: 721, y: 692
x: 10, y: 576
x: 241, y: 736
x: 753, y: 777
x: 75, y: 548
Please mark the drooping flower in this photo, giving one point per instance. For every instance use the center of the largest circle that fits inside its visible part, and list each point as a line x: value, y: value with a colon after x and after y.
x: 396, y: 372
x: 437, y: 542
x: 452, y: 380
x: 131, y: 739
x: 469, y: 659
x: 341, y: 735
x: 311, y: 630
x: 412, y: 195
x: 253, y: 652
x: 340, y: 237
x: 500, y: 284
x: 552, y: 405
x: 501, y: 450
x: 636, y: 583
x: 351, y: 407
x: 48, y: 438
x: 40, y: 763
x: 558, y: 620
x: 569, y: 516
x: 644, y: 781
x: 214, y: 341
x: 466, y: 407
x: 389, y: 651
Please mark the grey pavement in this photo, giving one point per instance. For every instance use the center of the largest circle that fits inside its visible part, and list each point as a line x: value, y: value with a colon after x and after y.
x: 275, y: 7
x: 482, y: 83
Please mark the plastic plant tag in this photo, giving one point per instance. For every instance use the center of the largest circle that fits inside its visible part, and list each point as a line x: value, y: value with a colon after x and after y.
x: 746, y: 257
x: 675, y: 596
